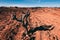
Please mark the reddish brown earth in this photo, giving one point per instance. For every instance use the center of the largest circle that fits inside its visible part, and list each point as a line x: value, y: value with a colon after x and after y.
x: 38, y: 16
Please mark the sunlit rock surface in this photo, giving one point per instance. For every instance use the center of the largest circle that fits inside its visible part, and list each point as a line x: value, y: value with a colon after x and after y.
x: 13, y: 30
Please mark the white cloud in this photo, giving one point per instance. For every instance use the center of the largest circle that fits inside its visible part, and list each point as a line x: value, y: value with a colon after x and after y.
x: 17, y: 5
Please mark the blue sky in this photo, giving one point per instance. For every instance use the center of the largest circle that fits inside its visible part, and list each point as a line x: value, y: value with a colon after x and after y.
x: 30, y: 3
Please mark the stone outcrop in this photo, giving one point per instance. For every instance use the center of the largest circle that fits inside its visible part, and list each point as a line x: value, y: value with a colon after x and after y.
x: 29, y: 23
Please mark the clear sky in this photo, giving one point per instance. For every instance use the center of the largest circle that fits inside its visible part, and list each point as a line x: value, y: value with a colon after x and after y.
x: 30, y: 3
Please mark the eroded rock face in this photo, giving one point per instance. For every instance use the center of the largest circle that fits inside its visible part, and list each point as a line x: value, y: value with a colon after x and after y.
x: 27, y: 25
